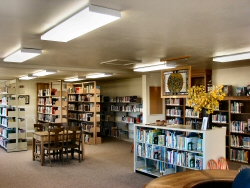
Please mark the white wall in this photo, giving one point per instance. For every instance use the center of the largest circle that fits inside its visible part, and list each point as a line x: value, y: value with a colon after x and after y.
x: 151, y: 79
x: 237, y: 77
x: 125, y: 87
x: 31, y: 108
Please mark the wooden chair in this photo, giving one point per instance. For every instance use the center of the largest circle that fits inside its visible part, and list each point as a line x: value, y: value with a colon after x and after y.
x: 37, y: 128
x: 73, y: 143
x: 223, y: 164
x: 55, y: 145
x: 212, y: 164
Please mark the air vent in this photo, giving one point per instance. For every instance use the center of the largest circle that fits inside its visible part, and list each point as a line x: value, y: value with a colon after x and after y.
x: 120, y: 62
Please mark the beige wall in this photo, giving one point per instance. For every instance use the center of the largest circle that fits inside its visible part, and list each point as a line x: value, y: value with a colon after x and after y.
x: 237, y: 77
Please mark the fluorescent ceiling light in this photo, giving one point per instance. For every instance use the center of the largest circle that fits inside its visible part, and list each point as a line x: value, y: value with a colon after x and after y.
x: 83, y: 22
x: 27, y: 77
x: 45, y: 72
x: 99, y: 75
x: 152, y: 68
x: 234, y: 57
x: 74, y: 79
x: 22, y: 55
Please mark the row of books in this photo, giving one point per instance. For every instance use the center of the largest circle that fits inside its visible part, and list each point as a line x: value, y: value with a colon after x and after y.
x: 174, y: 121
x: 171, y: 139
x: 237, y: 107
x: 238, y: 126
x: 240, y: 141
x: 87, y: 127
x: 219, y: 118
x: 80, y: 98
x: 123, y: 99
x: 126, y: 108
x: 173, y: 112
x: 175, y: 157
x: 44, y: 92
x: 239, y: 155
x: 47, y: 118
x: 174, y: 101
x: 192, y: 113
x: 129, y: 119
x: 4, y: 111
x: 44, y: 101
x: 4, y: 120
x: 46, y: 109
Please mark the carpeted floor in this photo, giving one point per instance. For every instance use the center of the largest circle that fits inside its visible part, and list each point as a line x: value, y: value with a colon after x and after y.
x: 109, y: 164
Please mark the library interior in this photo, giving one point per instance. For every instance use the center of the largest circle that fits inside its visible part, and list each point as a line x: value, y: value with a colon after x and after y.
x: 124, y: 93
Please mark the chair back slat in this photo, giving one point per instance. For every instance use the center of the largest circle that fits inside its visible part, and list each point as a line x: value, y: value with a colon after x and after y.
x: 54, y: 133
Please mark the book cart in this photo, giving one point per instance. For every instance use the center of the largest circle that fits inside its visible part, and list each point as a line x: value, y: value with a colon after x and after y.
x: 161, y: 150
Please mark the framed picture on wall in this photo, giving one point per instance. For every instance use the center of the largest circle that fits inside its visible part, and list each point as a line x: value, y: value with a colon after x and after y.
x: 176, y: 81
x: 26, y: 97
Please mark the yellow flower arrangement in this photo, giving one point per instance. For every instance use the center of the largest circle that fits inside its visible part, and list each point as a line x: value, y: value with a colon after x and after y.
x: 199, y: 98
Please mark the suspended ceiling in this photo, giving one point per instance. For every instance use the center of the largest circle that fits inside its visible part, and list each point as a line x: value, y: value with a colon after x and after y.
x: 148, y: 31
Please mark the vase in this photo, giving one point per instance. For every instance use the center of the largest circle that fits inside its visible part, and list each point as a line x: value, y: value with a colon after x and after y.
x: 209, y: 116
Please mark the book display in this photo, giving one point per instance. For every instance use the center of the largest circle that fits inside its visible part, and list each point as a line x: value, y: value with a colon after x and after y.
x: 51, y: 102
x: 84, y: 109
x: 118, y: 114
x: 161, y: 150
x: 12, y: 117
x: 239, y: 128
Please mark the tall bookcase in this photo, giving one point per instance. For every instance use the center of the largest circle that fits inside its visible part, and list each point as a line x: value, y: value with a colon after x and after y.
x: 12, y: 117
x: 84, y: 109
x: 239, y: 132
x: 161, y: 150
x: 52, y: 102
x: 118, y: 115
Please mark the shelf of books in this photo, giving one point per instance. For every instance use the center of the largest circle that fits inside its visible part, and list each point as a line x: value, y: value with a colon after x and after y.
x: 12, y: 117
x: 161, y: 150
x: 84, y: 109
x: 52, y: 102
x: 239, y: 128
x: 118, y: 115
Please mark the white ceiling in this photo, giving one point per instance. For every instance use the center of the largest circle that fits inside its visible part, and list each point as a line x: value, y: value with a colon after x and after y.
x: 148, y: 31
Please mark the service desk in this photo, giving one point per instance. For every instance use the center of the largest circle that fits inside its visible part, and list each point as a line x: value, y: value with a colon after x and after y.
x: 196, y: 178
x: 43, y: 137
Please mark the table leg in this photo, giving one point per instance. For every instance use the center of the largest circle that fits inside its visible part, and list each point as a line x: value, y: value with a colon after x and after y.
x: 42, y: 153
x: 33, y: 148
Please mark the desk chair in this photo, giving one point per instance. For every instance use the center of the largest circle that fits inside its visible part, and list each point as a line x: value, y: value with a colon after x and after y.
x: 37, y: 128
x: 55, y: 143
x: 212, y: 164
x: 73, y: 144
x: 222, y: 164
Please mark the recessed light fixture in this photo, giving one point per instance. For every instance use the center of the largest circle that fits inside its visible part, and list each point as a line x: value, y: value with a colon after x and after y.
x: 233, y: 57
x: 27, y: 77
x: 22, y: 55
x: 83, y: 22
x: 99, y: 75
x: 45, y: 72
x: 161, y: 66
x: 74, y: 79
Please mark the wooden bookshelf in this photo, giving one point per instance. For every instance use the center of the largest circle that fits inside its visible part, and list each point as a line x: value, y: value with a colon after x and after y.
x: 84, y: 109
x: 52, y: 102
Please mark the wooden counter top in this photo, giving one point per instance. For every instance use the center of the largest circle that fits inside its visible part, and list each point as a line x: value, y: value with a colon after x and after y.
x: 190, y: 179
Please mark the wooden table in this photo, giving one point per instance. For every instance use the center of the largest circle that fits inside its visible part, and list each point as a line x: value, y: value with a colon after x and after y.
x: 190, y: 179
x: 43, y: 137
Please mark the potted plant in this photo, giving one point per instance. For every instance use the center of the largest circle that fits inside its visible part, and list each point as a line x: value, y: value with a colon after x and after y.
x: 206, y: 102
